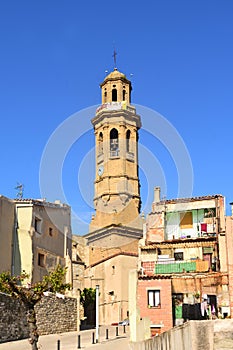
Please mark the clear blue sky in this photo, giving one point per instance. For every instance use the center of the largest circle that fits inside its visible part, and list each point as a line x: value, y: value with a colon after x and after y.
x: 54, y: 55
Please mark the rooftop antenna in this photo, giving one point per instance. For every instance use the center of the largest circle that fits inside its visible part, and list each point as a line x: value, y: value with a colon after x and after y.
x: 20, y: 188
x: 114, y: 58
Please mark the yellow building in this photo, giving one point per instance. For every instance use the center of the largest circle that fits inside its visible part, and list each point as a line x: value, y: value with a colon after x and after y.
x: 42, y: 238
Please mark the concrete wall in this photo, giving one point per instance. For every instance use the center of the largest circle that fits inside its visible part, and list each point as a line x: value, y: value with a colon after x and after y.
x: 54, y: 315
x: 193, y: 335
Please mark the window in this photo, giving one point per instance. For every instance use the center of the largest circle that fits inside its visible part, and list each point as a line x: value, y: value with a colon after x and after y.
x: 179, y: 256
x: 114, y: 95
x: 209, y: 212
x: 50, y: 231
x: 153, y: 298
x: 186, y: 220
x: 37, y: 225
x: 114, y: 151
x: 41, y: 260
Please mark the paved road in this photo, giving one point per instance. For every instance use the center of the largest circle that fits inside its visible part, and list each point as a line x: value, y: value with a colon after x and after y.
x: 69, y: 341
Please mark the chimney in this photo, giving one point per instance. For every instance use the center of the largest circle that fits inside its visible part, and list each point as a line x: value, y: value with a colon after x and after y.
x: 231, y: 204
x: 157, y: 194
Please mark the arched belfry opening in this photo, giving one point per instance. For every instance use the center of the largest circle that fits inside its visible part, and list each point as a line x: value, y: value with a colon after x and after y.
x: 123, y: 94
x: 114, y: 146
x: 100, y: 143
x: 128, y: 141
x: 105, y: 95
x: 114, y: 95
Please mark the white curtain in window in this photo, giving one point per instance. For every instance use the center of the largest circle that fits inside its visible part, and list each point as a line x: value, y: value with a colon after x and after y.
x: 151, y: 298
x: 157, y: 298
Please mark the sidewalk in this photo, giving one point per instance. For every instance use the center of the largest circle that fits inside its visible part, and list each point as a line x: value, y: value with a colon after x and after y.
x: 69, y: 341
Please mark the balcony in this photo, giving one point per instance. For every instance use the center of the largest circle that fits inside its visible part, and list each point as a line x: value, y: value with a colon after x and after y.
x: 115, y: 106
x: 182, y: 266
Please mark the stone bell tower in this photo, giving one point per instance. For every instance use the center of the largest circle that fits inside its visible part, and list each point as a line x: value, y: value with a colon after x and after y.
x: 117, y: 189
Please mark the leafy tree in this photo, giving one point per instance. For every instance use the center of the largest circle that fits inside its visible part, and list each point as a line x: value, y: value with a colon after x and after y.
x: 29, y: 296
x: 87, y: 297
x: 87, y: 300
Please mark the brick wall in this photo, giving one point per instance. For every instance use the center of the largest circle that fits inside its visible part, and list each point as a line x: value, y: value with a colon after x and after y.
x: 162, y: 314
x: 149, y: 267
x: 54, y: 315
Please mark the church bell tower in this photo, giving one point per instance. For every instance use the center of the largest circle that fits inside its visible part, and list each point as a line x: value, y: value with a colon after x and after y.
x: 117, y: 189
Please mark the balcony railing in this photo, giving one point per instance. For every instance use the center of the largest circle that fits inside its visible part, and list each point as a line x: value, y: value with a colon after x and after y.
x: 182, y: 266
x: 130, y: 156
x: 114, y: 154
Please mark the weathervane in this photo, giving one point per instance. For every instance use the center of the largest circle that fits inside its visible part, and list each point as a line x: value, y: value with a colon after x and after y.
x: 114, y: 57
x: 20, y: 188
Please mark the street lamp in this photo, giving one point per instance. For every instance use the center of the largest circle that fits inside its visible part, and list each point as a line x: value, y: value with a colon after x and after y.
x: 97, y: 314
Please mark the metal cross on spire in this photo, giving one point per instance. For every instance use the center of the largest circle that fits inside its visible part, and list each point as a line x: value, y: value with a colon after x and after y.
x: 114, y: 57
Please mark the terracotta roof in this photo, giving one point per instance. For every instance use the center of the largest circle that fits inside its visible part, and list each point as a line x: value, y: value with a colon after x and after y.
x: 182, y: 275
x: 40, y: 201
x: 177, y: 241
x: 113, y: 256
x: 191, y: 199
x: 154, y: 277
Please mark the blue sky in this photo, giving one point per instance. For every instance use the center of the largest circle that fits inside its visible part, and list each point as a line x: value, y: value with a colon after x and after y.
x: 177, y: 53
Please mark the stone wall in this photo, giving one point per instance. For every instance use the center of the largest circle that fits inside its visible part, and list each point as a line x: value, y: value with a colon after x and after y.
x: 13, y: 323
x: 193, y: 335
x: 54, y: 315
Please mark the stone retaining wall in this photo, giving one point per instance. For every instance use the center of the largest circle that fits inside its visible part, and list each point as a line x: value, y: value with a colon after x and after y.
x: 54, y: 315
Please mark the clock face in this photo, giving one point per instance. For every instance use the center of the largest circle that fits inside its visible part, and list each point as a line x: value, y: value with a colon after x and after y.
x: 100, y: 170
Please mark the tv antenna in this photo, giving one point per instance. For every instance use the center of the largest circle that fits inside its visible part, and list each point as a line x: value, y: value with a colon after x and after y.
x: 19, y: 188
